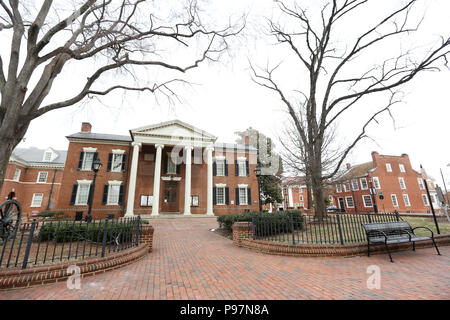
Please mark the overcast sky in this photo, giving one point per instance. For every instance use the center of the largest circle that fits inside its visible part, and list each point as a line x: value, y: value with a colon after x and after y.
x: 224, y: 99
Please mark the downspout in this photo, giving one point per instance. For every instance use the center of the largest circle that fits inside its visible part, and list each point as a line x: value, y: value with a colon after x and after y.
x: 51, y: 190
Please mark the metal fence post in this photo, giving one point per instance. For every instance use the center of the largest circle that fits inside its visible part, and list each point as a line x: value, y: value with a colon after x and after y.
x: 292, y: 227
x: 368, y: 215
x: 105, y: 234
x: 339, y: 228
x: 138, y: 230
x: 28, y: 248
x: 397, y: 215
x: 253, y: 227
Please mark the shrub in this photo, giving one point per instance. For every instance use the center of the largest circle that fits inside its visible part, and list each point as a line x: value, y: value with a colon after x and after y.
x: 69, y: 231
x: 279, y: 217
x: 50, y: 214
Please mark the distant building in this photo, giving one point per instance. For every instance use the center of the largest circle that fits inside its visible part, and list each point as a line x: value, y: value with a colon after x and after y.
x: 394, y: 183
x: 33, y: 176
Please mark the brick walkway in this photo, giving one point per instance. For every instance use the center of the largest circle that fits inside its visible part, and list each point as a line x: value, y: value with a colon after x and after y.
x: 190, y: 262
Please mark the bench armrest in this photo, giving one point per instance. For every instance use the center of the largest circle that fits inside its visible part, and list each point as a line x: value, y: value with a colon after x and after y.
x: 432, y: 233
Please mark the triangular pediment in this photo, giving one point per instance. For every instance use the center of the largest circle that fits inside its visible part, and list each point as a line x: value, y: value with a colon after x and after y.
x: 174, y: 128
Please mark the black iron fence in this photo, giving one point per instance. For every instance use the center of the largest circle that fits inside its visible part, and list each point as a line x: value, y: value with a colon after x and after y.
x: 46, y: 242
x: 338, y: 228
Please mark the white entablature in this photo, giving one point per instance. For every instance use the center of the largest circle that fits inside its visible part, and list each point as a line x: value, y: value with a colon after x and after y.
x: 173, y: 132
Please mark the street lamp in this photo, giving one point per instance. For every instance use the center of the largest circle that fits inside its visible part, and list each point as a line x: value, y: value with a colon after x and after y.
x: 373, y: 193
x: 257, y: 172
x: 96, y: 165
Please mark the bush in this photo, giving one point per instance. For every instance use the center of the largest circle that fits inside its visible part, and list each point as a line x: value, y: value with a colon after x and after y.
x: 279, y: 217
x: 50, y: 214
x: 69, y: 231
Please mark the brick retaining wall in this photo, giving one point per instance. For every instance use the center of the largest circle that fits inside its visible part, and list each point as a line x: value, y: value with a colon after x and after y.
x: 242, y: 237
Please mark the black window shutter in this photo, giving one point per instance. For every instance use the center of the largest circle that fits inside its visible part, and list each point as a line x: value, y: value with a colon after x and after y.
x: 121, y: 192
x: 214, y: 195
x: 227, y: 195
x: 80, y: 161
x: 214, y: 168
x: 247, y: 168
x: 249, y: 196
x: 236, y: 167
x: 226, y: 168
x: 110, y: 157
x: 237, y: 195
x: 105, y: 194
x: 74, y: 194
x: 178, y: 168
x: 166, y: 157
x: 124, y: 162
x: 95, y: 156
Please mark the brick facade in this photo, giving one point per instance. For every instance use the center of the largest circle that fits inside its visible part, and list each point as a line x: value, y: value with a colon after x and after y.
x: 391, y: 176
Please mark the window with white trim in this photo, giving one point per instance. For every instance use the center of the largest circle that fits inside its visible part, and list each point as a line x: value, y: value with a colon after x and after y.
x: 394, y: 200
x: 171, y: 166
x: 421, y: 185
x: 346, y: 186
x: 401, y: 167
x: 116, y: 163
x: 363, y: 182
x: 82, y: 193
x: 48, y: 156
x: 17, y: 174
x: 113, y: 194
x: 338, y: 188
x: 301, y: 198
x: 376, y: 183
x: 406, y: 200
x: 243, y: 199
x: 388, y: 167
x: 349, y: 202
x: 88, y: 159
x: 367, y: 200
x: 36, y: 202
x: 401, y: 181
x: 425, y: 200
x: 42, y: 177
x: 220, y: 195
x: 355, y: 186
x: 242, y: 168
x: 220, y: 168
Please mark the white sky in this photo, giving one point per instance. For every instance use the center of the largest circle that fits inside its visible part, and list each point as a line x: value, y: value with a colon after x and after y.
x: 225, y: 100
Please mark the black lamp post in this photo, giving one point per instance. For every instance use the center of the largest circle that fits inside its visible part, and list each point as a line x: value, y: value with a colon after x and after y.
x: 257, y: 172
x: 373, y: 193
x: 96, y: 165
x: 425, y: 177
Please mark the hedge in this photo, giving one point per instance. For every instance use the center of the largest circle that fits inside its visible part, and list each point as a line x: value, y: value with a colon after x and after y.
x: 69, y: 231
x: 226, y: 221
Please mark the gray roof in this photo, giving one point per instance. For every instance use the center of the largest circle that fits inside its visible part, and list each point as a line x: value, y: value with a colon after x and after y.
x: 233, y: 146
x: 35, y: 155
x: 100, y: 136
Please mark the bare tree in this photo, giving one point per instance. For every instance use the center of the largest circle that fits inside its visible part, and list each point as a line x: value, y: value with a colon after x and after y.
x: 113, y: 35
x: 330, y: 66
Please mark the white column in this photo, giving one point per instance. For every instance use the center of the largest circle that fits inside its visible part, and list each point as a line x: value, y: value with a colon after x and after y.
x: 132, y: 183
x: 209, y: 184
x: 290, y: 197
x: 157, y: 179
x: 187, y: 181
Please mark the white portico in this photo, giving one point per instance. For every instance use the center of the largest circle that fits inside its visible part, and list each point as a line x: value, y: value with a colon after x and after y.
x: 161, y: 169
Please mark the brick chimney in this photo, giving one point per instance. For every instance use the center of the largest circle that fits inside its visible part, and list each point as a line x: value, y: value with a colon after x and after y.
x: 348, y: 165
x: 86, y: 127
x: 246, y: 140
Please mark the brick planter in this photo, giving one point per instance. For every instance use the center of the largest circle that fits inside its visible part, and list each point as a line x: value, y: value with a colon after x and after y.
x: 57, y: 273
x: 242, y: 237
x: 147, y: 236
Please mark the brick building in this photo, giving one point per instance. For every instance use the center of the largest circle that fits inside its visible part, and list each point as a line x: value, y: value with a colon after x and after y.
x: 33, y: 177
x: 170, y: 167
x: 295, y: 196
x: 402, y: 188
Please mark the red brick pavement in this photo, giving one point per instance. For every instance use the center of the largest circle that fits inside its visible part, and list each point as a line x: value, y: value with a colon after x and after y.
x: 190, y: 262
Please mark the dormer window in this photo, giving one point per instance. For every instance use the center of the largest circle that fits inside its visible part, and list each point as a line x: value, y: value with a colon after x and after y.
x: 49, y: 155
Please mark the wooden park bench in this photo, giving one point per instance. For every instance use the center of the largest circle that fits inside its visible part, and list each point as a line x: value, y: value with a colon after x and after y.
x: 394, y: 232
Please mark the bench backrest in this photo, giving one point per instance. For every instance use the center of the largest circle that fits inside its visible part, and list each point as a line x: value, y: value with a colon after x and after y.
x: 397, y: 228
